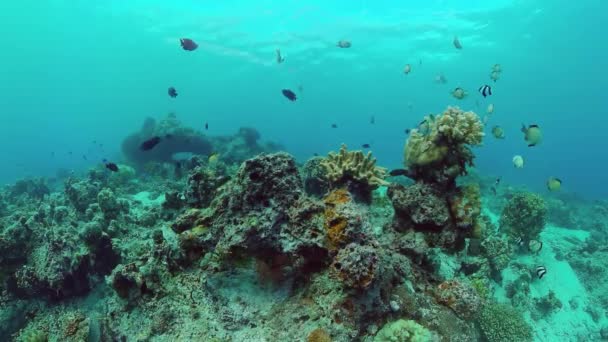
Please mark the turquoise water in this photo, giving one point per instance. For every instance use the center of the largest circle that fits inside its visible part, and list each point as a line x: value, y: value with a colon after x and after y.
x: 73, y: 72
x: 239, y: 245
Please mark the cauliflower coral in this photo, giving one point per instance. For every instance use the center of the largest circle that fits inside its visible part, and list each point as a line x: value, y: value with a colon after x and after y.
x: 439, y: 150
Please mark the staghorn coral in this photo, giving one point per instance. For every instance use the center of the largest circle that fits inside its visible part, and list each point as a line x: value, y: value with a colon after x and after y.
x: 439, y: 152
x: 524, y: 216
x: 355, y: 170
x: 502, y: 323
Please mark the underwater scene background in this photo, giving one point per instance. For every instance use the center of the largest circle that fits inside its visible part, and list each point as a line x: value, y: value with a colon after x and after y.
x: 303, y: 171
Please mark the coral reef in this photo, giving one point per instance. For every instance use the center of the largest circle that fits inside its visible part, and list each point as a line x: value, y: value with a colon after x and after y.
x: 439, y: 152
x: 354, y: 170
x: 524, y: 216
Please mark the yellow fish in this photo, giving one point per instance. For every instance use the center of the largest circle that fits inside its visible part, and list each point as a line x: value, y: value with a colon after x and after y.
x: 213, y: 158
x: 554, y: 184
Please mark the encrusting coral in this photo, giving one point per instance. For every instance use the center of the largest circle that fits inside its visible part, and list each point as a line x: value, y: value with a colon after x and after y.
x: 439, y: 151
x: 355, y: 170
x: 402, y: 330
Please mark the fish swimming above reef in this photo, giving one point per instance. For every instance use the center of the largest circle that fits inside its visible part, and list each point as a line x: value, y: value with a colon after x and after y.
x: 399, y: 172
x: 541, y: 271
x: 440, y: 79
x: 334, y: 126
x: 206, y: 126
x: 498, y: 132
x: 344, y: 44
x: 554, y: 184
x: 188, y: 44
x: 150, y: 143
x: 110, y: 166
x: 497, y: 68
x: 459, y: 93
x: 495, y: 187
x: 407, y: 69
x: 366, y: 146
x: 535, y: 246
x: 485, y: 90
x: 289, y: 94
x: 490, y: 108
x: 172, y: 92
x: 372, y: 120
x: 518, y: 161
x: 532, y: 134
x: 495, y: 76
x: 456, y: 43
x: 280, y: 58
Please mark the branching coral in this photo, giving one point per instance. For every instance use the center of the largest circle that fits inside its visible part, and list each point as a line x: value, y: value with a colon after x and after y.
x: 524, y: 216
x: 345, y: 167
x: 439, y: 151
x: 502, y: 323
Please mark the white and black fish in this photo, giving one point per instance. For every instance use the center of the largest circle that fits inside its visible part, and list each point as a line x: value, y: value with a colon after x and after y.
x: 485, y: 90
x: 541, y: 271
x: 519, y: 241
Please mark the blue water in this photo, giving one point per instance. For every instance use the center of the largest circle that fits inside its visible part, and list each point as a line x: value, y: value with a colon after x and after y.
x: 77, y: 71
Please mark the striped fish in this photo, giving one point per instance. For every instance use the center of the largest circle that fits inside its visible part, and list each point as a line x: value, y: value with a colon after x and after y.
x: 541, y: 271
x: 485, y: 90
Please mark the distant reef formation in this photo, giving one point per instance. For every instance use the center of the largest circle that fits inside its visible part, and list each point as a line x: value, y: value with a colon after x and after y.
x: 176, y: 139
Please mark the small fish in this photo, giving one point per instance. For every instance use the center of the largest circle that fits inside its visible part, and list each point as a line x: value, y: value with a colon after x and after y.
x: 334, y: 126
x: 495, y: 187
x: 535, y: 246
x: 206, y: 126
x: 459, y: 93
x: 110, y: 166
x: 541, y: 271
x: 372, y: 120
x: 84, y: 157
x: 280, y: 59
x: 440, y: 79
x: 408, y: 131
x: 519, y: 241
x: 490, y: 108
x: 407, y: 69
x: 366, y: 146
x: 498, y: 132
x: 532, y: 134
x: 188, y: 44
x: 497, y: 68
x: 495, y: 76
x: 315, y: 154
x: 344, y: 44
x: 213, y: 158
x: 457, y: 43
x: 485, y: 90
x: 150, y: 143
x: 399, y: 172
x: 518, y: 161
x: 554, y: 184
x: 172, y: 92
x: 289, y: 94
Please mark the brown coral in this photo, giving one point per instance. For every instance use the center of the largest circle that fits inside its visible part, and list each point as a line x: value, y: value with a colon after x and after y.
x: 318, y: 335
x: 335, y: 224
